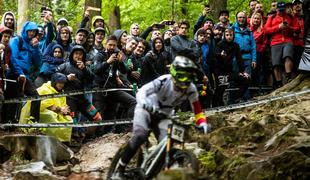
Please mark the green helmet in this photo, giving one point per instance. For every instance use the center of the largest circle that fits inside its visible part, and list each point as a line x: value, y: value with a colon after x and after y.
x: 184, y: 71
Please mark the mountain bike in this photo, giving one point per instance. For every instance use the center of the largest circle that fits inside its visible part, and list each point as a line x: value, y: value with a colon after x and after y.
x: 169, y: 153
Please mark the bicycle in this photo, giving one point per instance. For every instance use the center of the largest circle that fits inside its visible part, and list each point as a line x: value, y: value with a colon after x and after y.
x: 148, y: 162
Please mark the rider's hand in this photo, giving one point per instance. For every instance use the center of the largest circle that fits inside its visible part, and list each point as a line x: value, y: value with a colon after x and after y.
x: 150, y: 108
x: 205, y: 126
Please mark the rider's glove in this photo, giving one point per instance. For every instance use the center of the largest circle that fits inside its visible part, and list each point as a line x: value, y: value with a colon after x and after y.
x: 205, y: 126
x: 150, y: 108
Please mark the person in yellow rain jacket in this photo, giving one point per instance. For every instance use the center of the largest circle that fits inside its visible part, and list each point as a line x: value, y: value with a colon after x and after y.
x: 53, y: 110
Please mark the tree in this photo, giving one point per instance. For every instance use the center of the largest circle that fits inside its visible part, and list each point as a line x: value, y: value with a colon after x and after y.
x: 92, y: 3
x: 216, y: 6
x: 23, y: 13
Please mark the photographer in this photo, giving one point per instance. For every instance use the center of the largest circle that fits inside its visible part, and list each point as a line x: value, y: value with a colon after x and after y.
x: 281, y: 28
x: 201, y: 22
x: 107, y: 63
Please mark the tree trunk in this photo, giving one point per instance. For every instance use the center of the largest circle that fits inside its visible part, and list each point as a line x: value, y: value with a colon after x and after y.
x: 23, y: 14
x: 216, y: 6
x: 92, y: 3
x: 115, y: 19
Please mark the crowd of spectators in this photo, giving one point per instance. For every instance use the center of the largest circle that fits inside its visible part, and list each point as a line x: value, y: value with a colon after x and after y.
x: 257, y: 49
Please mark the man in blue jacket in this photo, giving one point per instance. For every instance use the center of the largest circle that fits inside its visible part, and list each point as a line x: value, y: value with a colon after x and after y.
x: 25, y: 58
x: 245, y: 39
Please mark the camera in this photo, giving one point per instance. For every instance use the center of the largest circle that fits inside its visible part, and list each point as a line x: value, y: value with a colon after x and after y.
x: 169, y: 23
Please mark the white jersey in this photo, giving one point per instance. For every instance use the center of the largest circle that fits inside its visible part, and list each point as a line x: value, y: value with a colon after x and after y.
x: 161, y: 93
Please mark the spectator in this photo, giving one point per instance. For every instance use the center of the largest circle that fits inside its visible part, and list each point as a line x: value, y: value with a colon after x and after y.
x: 62, y: 22
x: 48, y: 68
x: 78, y: 75
x: 244, y: 37
x: 298, y: 39
x: 304, y: 64
x: 99, y: 37
x: 6, y: 33
x: 46, y: 36
x: 127, y: 52
x: 8, y: 20
x: 25, y: 57
x: 54, y: 110
x: 224, y: 19
x: 218, y: 33
x: 81, y: 37
x: 134, y: 74
x: 262, y: 64
x: 289, y: 9
x: 107, y: 63
x: 167, y: 35
x: 226, y: 51
x: 63, y: 39
x: 281, y: 28
x: 135, y: 30
x: 201, y: 40
x: 155, y: 62
x: 273, y: 8
x: 121, y: 36
x: 201, y: 20
x: 90, y: 50
x: 181, y: 45
x: 252, y: 5
x: 97, y: 21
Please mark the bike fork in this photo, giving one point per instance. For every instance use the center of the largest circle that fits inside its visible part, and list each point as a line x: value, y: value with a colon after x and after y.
x: 168, y: 147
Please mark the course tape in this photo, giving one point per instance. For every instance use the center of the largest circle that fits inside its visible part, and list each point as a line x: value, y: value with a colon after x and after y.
x: 64, y: 94
x: 97, y: 90
x: 256, y: 102
x: 129, y: 121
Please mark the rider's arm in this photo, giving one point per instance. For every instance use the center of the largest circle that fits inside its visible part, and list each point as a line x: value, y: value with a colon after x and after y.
x: 196, y: 106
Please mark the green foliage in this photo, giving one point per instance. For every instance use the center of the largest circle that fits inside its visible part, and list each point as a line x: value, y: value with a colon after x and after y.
x: 207, y: 160
x: 132, y: 11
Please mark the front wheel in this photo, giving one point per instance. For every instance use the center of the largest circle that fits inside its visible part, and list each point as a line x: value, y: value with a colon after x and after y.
x: 184, y: 159
x: 132, y: 169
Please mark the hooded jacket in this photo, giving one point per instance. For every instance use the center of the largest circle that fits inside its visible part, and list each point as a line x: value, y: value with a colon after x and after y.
x: 224, y: 65
x: 180, y: 45
x: 118, y: 34
x: 24, y: 60
x: 48, y: 52
x: 49, y: 67
x: 155, y: 63
x: 14, y: 24
x: 47, y: 38
x: 246, y: 42
x: 83, y: 76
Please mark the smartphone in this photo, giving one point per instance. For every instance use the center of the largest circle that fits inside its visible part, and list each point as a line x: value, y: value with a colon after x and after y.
x: 169, y: 23
x: 159, y: 26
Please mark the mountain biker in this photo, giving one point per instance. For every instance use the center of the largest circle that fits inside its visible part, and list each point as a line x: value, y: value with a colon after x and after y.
x: 163, y: 93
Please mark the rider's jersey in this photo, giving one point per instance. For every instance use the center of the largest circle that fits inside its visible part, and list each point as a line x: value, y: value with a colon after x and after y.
x: 161, y: 93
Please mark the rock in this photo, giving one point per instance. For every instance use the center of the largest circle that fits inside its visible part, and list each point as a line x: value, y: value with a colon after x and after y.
x: 35, y: 170
x: 253, y: 132
x: 36, y: 148
x: 63, y: 170
x: 177, y: 174
x: 224, y: 136
x: 290, y: 129
x: 267, y: 119
x: 193, y: 147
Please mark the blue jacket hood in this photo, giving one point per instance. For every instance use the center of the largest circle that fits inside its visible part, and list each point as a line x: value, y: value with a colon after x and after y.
x: 27, y: 27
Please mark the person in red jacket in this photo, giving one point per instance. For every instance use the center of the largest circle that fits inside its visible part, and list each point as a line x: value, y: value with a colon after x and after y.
x: 281, y: 28
x: 298, y: 39
x: 257, y: 27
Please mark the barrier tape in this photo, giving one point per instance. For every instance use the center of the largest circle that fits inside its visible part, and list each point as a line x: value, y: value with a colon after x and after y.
x: 255, y: 102
x: 64, y: 94
x: 129, y: 121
